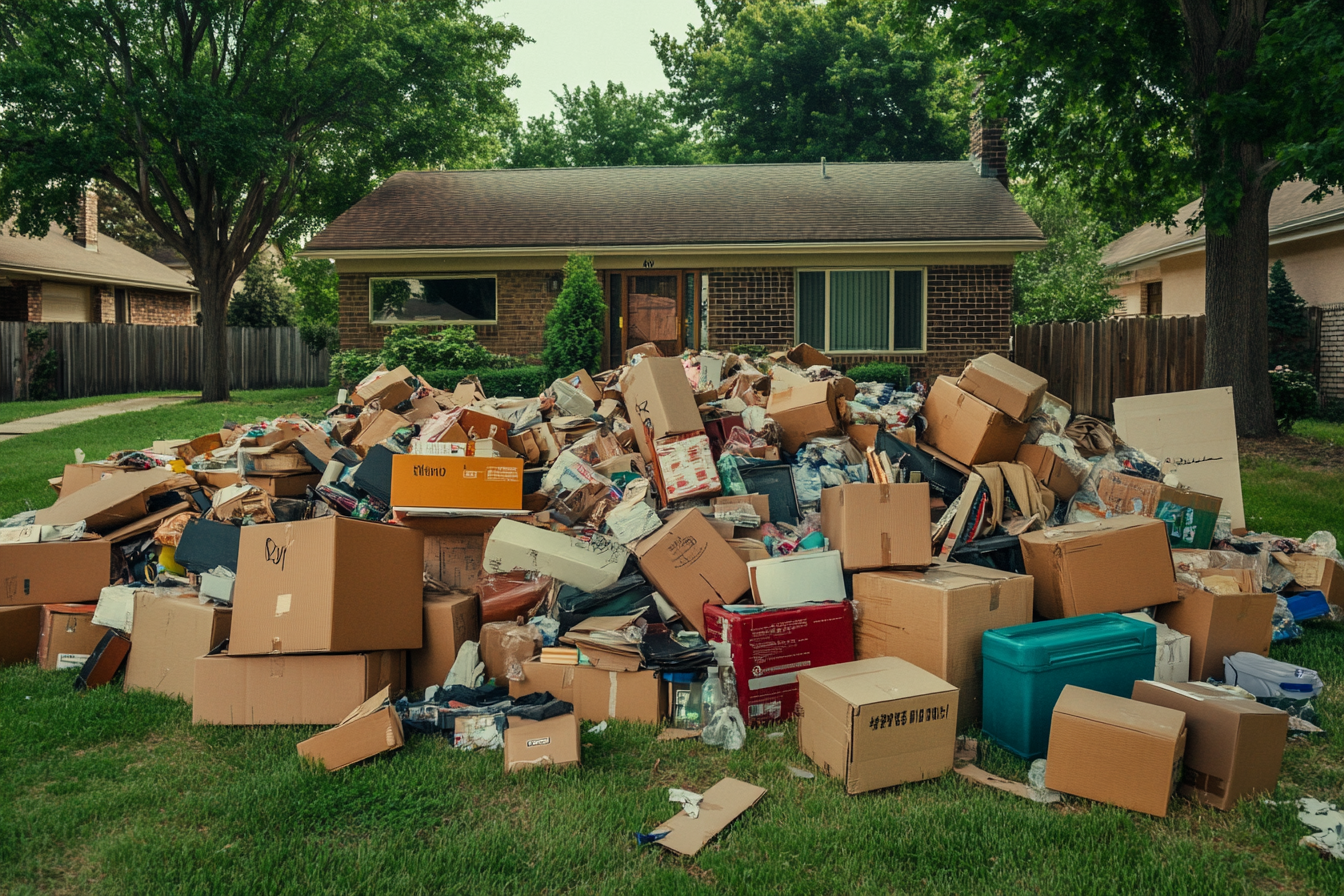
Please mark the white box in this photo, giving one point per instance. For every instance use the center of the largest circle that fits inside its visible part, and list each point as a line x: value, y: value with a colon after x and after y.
x: 1173, y: 651
x: 797, y: 579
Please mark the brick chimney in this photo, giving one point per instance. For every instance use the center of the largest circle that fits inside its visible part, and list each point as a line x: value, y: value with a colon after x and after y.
x: 989, y: 150
x: 86, y: 221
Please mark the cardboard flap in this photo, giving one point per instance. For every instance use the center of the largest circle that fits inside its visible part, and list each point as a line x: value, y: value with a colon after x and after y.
x: 604, y: 623
x: 720, y: 805
x: 368, y: 707
x: 877, y: 680
x: 1120, y: 712
x: 107, y: 502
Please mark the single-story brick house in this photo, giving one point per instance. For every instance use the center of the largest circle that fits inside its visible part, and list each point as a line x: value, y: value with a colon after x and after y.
x: 909, y: 262
x: 89, y: 277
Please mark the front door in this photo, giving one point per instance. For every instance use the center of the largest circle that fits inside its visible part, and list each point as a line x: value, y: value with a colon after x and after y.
x: 653, y: 312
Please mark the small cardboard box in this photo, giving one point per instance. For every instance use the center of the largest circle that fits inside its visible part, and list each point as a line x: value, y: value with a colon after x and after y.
x: 589, y: 565
x: 1233, y: 747
x: 550, y: 742
x: 317, y: 689
x: 1189, y: 516
x: 288, y: 485
x: 686, y: 467
x: 877, y: 722
x: 967, y: 429
x: 437, y: 482
x: 54, y: 572
x: 20, y: 631
x: 660, y: 402
x: 373, y: 727
x: 691, y: 566
x: 1172, y: 664
x: 804, y: 412
x: 1115, y: 750
x: 68, y: 636
x: 1107, y: 566
x: 389, y: 390
x: 170, y: 634
x: 329, y: 585
x: 1220, y: 625
x: 1049, y: 469
x: 877, y: 526
x: 999, y: 382
x: 451, y: 620
x: 936, y: 619
x: 597, y: 695
x: 797, y: 579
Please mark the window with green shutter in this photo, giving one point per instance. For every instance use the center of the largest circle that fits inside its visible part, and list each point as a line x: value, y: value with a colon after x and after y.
x: 879, y: 310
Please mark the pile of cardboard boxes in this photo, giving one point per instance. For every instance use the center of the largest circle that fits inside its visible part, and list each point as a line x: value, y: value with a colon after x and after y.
x: 705, y: 542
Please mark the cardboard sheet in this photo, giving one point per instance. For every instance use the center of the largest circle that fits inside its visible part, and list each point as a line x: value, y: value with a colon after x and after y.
x: 719, y: 806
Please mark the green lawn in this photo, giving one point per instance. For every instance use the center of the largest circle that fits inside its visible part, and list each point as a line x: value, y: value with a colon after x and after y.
x: 112, y: 793
x: 21, y: 410
x: 1320, y: 430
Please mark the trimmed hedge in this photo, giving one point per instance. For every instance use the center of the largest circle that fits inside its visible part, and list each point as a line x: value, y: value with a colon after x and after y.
x: 524, y: 382
x: 880, y: 372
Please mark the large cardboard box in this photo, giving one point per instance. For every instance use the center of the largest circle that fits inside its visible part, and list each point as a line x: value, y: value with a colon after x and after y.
x: 451, y: 620
x: 936, y: 619
x: 597, y: 695
x: 1049, y: 469
x: 1115, y: 750
x: 1189, y: 516
x: 878, y: 526
x: 804, y: 412
x: 691, y: 565
x: 660, y: 402
x: 1107, y: 566
x: 373, y: 727
x: 389, y: 390
x: 329, y: 585
x: 967, y: 429
x: 68, y: 636
x: 552, y: 742
x: 54, y: 572
x: 1310, y: 573
x: 999, y: 382
x: 589, y: 565
x: 318, y: 689
x: 20, y: 631
x: 1220, y: 625
x: 428, y: 482
x: 107, y: 504
x: 170, y: 634
x: 877, y: 722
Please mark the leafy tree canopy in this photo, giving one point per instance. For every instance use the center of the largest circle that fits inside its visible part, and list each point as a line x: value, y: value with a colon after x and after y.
x: 265, y: 300
x: 119, y: 219
x: 1065, y: 281
x: 317, y: 307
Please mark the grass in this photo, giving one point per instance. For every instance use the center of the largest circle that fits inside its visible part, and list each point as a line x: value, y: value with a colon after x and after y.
x: 1321, y: 431
x: 22, y: 410
x: 107, y: 792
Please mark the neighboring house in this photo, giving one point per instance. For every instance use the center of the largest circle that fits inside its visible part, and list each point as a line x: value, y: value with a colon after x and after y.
x: 89, y: 277
x: 908, y: 261
x: 1162, y: 272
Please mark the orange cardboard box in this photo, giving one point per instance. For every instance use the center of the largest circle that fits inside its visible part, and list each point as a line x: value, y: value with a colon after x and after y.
x: 441, y: 482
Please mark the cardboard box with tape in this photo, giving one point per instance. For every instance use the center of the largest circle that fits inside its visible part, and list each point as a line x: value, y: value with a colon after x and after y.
x: 877, y: 526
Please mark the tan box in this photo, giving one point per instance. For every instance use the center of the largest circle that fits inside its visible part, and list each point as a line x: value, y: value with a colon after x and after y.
x: 389, y: 390
x: 454, y: 560
x: 20, y: 631
x: 967, y: 429
x: 1107, y: 566
x: 1220, y: 625
x: 804, y: 412
x: 451, y: 620
x: 373, y: 727
x: 170, y: 634
x: 660, y: 402
x: 503, y: 643
x: 691, y: 566
x: 995, y: 380
x: 936, y: 619
x: 54, y: 572
x: 78, y: 476
x: 1049, y: 469
x: 285, y: 485
x: 550, y: 742
x: 597, y: 695
x: 68, y: 636
x: 1115, y: 750
x: 328, y: 585
x: 878, y: 526
x: 317, y: 689
x: 877, y: 722
x: 1312, y: 573
x: 107, y: 504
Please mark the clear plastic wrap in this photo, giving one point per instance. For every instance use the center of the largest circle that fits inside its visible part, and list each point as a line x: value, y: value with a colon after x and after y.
x: 1285, y: 626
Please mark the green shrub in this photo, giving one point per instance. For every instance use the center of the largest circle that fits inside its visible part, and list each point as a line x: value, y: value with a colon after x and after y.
x: 316, y: 304
x: 450, y: 348
x: 880, y: 372
x: 574, y: 325
x: 527, y: 381
x: 351, y: 366
x: 265, y: 300
x: 1294, y: 396
x: 755, y: 351
x: 1289, y: 325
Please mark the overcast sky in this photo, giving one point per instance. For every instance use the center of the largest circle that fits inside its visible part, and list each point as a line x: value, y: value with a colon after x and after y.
x: 578, y: 41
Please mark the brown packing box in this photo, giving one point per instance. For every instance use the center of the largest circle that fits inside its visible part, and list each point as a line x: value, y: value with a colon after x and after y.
x: 106, y: 504
x: 804, y: 412
x: 1220, y: 625
x: 20, y: 630
x: 967, y: 429
x: 1233, y: 748
x: 170, y: 634
x: 657, y: 394
x: 1115, y: 750
x: 373, y: 727
x: 454, y: 560
x: 1312, y: 573
x: 450, y: 621
x: 999, y: 382
x: 389, y: 390
x: 550, y: 742
x: 875, y: 526
x: 877, y: 722
x: 719, y: 807
x: 1107, y: 566
x: 291, y: 690
x: 374, y: 428
x: 54, y: 572
x: 328, y: 585
x: 293, y: 485
x: 597, y: 695
x: 502, y: 642
x: 68, y: 636
x: 78, y: 476
x: 280, y: 462
x: 936, y: 619
x: 691, y: 566
x: 1049, y: 470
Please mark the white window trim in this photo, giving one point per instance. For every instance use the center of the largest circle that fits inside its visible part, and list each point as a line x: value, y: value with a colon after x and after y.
x: 891, y: 305
x: 441, y: 322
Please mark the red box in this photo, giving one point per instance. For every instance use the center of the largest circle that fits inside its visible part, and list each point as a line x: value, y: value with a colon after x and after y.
x: 770, y: 647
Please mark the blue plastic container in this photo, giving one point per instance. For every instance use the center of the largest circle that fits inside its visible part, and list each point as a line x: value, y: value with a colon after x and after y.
x: 1307, y: 605
x: 1027, y: 666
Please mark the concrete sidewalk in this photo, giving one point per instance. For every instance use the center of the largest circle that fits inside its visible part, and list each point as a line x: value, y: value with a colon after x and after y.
x: 28, y: 425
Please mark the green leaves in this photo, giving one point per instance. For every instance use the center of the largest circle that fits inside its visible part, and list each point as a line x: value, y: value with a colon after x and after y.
x: 574, y: 328
x: 1065, y: 281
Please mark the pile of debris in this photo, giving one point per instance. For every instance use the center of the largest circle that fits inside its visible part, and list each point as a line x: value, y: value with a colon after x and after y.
x: 712, y: 542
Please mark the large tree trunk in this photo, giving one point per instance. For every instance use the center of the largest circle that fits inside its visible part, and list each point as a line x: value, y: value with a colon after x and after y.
x: 215, y: 337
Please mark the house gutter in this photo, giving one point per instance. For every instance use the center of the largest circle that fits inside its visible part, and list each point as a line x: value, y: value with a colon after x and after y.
x: 22, y: 273
x: 1284, y: 233
x: 1022, y: 245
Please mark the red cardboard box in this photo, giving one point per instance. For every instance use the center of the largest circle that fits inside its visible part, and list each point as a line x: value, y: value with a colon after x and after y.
x: 771, y: 647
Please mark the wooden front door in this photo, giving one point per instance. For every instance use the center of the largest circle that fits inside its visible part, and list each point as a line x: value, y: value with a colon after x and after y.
x: 653, y: 304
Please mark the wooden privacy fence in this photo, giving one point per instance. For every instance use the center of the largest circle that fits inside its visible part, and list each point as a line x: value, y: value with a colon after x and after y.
x: 111, y: 359
x: 1091, y: 365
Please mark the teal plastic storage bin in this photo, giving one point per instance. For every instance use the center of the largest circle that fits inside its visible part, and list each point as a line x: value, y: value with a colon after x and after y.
x: 1027, y: 666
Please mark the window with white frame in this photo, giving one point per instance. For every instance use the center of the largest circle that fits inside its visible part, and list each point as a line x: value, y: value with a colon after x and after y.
x: 446, y: 299
x: 879, y: 310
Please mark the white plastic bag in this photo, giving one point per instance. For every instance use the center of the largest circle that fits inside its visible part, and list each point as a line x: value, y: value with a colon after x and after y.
x: 1267, y: 678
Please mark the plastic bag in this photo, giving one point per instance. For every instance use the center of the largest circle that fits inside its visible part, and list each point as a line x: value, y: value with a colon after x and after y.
x: 726, y: 729
x: 549, y: 628
x: 508, y: 595
x: 1285, y: 626
x: 1322, y: 544
x: 1267, y: 678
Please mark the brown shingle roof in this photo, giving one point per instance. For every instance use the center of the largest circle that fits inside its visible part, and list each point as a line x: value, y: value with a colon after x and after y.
x: 54, y: 257
x: 1287, y: 212
x: 690, y: 205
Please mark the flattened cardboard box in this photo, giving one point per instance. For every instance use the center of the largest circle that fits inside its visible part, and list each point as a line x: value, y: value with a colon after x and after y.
x: 317, y: 689
x: 1220, y: 625
x: 54, y: 572
x: 373, y: 727
x: 967, y: 429
x: 68, y: 636
x: 552, y: 742
x: 20, y: 631
x: 936, y: 619
x: 877, y: 722
x: 78, y: 476
x: 108, y: 503
x: 327, y: 585
x: 719, y: 806
x: 451, y: 620
x: 597, y: 695
x: 170, y: 634
x: 691, y: 566
x: 1002, y: 384
x: 1115, y: 750
x: 454, y: 560
x: 876, y: 526
x: 660, y: 401
x: 1108, y: 566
